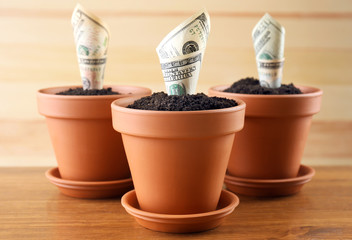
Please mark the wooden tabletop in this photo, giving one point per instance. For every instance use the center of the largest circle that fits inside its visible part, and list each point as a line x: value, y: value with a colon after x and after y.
x: 32, y: 208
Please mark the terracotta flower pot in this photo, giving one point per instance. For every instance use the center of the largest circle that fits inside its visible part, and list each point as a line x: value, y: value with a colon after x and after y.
x: 86, y: 146
x: 177, y: 159
x: 272, y: 142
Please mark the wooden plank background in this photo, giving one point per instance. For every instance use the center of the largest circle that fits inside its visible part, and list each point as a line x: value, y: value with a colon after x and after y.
x: 37, y: 51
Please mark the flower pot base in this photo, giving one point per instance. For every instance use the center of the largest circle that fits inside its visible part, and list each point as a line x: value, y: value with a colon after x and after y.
x: 269, y: 187
x: 90, y: 190
x: 183, y: 223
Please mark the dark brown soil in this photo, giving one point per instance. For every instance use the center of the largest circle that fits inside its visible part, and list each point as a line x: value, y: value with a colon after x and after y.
x: 252, y: 86
x: 160, y: 101
x: 80, y: 92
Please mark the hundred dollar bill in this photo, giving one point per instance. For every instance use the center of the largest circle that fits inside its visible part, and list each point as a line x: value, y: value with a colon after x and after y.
x: 181, y: 53
x: 91, y: 39
x: 268, y: 40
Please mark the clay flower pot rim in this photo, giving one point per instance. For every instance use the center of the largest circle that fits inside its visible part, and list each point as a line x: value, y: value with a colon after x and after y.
x: 314, y: 92
x: 152, y: 123
x: 50, y: 92
x: 121, y: 105
x: 82, y: 107
x: 233, y: 204
x: 289, y: 105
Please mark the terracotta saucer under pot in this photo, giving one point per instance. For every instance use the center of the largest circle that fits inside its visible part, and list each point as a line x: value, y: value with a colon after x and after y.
x: 181, y: 223
x: 270, y: 187
x: 89, y: 189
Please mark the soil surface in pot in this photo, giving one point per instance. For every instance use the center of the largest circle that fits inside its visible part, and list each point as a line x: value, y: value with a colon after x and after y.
x: 160, y: 101
x: 81, y: 91
x: 252, y: 86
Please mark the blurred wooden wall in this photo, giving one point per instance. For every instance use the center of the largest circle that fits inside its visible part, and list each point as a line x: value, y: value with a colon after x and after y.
x: 37, y: 51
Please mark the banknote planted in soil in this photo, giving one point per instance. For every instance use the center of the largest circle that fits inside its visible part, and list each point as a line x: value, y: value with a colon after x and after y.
x: 88, y: 92
x: 251, y: 85
x: 160, y: 101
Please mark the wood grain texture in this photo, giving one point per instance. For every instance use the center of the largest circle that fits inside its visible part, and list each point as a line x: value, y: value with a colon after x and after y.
x: 286, y: 6
x: 27, y: 143
x: 217, y: 69
x: 32, y: 208
x: 37, y: 51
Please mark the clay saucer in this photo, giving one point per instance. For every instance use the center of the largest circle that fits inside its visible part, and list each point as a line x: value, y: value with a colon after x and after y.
x: 85, y: 189
x: 270, y: 187
x: 183, y: 223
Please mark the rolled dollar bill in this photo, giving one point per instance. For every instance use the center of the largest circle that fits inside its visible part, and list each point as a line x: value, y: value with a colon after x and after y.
x: 181, y: 53
x: 91, y: 36
x: 269, y: 40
